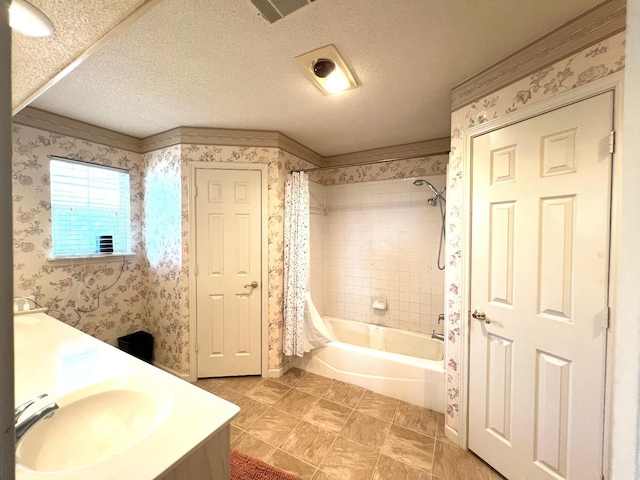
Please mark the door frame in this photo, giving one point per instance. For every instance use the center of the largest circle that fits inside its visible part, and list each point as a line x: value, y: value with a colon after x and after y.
x: 264, y: 265
x: 612, y: 83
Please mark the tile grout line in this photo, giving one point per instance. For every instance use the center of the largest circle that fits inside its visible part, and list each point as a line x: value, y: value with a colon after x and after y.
x: 373, y: 472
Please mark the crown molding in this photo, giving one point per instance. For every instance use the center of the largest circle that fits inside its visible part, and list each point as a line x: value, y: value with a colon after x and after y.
x: 593, y: 26
x: 210, y: 136
x: 427, y: 148
x: 36, y: 118
x: 289, y: 145
x: 222, y: 136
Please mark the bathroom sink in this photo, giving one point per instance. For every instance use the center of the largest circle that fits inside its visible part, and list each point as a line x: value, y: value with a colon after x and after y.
x: 93, y: 424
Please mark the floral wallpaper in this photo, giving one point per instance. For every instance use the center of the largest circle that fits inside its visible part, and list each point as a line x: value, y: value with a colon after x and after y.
x: 590, y: 64
x: 150, y: 290
x: 412, y: 167
x: 100, y: 298
x: 280, y: 164
x: 163, y: 295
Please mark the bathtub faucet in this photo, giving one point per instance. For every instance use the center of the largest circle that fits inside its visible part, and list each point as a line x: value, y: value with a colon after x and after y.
x: 25, y: 426
x: 437, y: 336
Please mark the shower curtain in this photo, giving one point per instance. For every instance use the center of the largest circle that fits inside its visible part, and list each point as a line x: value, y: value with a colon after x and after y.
x: 296, y: 261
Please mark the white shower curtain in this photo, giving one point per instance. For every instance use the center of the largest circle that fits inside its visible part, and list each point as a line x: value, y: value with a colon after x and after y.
x: 296, y: 261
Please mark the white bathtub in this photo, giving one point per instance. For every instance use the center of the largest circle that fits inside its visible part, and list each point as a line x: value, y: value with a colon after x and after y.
x: 404, y: 365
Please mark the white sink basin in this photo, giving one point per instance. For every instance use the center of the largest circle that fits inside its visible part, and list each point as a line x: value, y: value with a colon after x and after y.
x: 94, y: 424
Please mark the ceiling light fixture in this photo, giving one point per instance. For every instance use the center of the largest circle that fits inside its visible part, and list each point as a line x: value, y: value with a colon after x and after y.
x: 29, y: 20
x: 327, y: 69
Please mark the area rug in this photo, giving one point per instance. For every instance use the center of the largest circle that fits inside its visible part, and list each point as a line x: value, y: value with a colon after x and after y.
x: 244, y: 467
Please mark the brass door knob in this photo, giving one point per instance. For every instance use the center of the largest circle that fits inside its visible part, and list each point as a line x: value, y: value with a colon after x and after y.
x: 480, y: 315
x: 253, y: 284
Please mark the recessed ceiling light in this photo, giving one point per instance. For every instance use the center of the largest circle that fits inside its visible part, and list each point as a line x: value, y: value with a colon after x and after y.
x: 326, y: 68
x: 29, y: 20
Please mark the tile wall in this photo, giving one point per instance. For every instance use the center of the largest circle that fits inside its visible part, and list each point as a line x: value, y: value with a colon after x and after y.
x: 380, y: 240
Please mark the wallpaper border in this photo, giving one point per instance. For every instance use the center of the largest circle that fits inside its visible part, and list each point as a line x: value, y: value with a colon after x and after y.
x: 593, y: 26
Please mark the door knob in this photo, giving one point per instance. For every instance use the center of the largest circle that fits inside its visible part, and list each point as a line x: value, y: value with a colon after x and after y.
x: 253, y: 284
x: 479, y: 315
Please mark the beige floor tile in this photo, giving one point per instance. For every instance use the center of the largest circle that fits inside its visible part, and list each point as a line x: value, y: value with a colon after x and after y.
x: 314, y: 384
x: 344, y: 393
x: 296, y: 402
x: 409, y: 447
x: 291, y: 464
x: 454, y: 463
x: 388, y: 468
x: 378, y: 406
x: 291, y: 377
x: 227, y: 394
x: 268, y: 392
x: 250, y: 411
x: 252, y: 446
x: 329, y: 415
x: 208, y: 384
x: 322, y: 476
x: 242, y: 384
x: 347, y: 460
x: 273, y: 426
x: 235, y: 432
x: 419, y: 419
x: 309, y: 442
x: 366, y: 430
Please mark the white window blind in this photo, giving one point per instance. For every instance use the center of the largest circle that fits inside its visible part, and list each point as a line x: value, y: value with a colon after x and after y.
x: 88, y: 201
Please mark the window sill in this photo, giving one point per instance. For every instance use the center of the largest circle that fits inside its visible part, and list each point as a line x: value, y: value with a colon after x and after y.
x: 90, y: 258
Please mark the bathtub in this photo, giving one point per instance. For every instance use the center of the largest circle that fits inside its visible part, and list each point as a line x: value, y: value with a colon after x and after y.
x: 400, y: 364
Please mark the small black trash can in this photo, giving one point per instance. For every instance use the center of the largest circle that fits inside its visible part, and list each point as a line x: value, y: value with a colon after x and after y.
x: 138, y: 344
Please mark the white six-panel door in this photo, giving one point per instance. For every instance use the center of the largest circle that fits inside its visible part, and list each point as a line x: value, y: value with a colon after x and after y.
x: 540, y: 250
x: 228, y: 261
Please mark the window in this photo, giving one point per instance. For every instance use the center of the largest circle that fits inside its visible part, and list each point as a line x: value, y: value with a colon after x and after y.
x: 89, y: 202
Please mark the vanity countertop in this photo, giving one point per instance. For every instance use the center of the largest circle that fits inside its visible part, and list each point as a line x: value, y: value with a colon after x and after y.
x: 54, y: 358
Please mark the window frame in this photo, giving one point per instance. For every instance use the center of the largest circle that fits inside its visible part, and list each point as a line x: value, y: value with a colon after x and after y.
x: 126, y: 237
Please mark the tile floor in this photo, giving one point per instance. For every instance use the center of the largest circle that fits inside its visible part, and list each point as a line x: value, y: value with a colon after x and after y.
x: 323, y: 429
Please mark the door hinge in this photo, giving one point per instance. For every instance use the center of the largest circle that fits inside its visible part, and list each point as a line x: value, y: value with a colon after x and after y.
x: 612, y: 141
x: 195, y: 269
x: 607, y: 316
x: 195, y: 191
x: 196, y: 347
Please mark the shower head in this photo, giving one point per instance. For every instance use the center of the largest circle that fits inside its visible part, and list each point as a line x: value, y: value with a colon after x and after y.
x: 420, y: 182
x: 433, y: 201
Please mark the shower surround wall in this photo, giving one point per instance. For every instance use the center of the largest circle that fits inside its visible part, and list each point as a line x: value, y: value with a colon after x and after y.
x: 378, y: 239
x: 381, y: 240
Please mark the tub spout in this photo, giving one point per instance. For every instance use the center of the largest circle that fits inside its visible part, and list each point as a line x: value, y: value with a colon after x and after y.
x: 437, y: 336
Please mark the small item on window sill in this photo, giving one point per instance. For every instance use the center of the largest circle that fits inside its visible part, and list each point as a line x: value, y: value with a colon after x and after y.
x: 105, y: 244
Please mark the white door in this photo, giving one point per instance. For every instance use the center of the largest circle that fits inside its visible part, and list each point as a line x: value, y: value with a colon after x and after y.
x: 228, y: 271
x: 540, y: 233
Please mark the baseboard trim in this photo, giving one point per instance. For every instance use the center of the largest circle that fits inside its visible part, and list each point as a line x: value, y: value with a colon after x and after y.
x: 452, y: 435
x: 277, y: 372
x: 183, y: 376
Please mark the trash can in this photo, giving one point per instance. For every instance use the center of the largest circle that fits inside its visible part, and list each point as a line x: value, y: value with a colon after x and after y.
x: 138, y: 344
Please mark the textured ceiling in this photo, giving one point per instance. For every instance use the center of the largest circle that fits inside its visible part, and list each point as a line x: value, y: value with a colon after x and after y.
x: 78, y: 25
x: 204, y: 63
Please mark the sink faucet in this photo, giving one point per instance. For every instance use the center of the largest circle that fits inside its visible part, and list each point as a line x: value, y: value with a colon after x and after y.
x: 25, y: 426
x: 437, y: 336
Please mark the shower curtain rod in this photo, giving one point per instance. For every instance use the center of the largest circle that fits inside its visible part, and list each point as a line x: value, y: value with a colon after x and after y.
x: 386, y: 160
